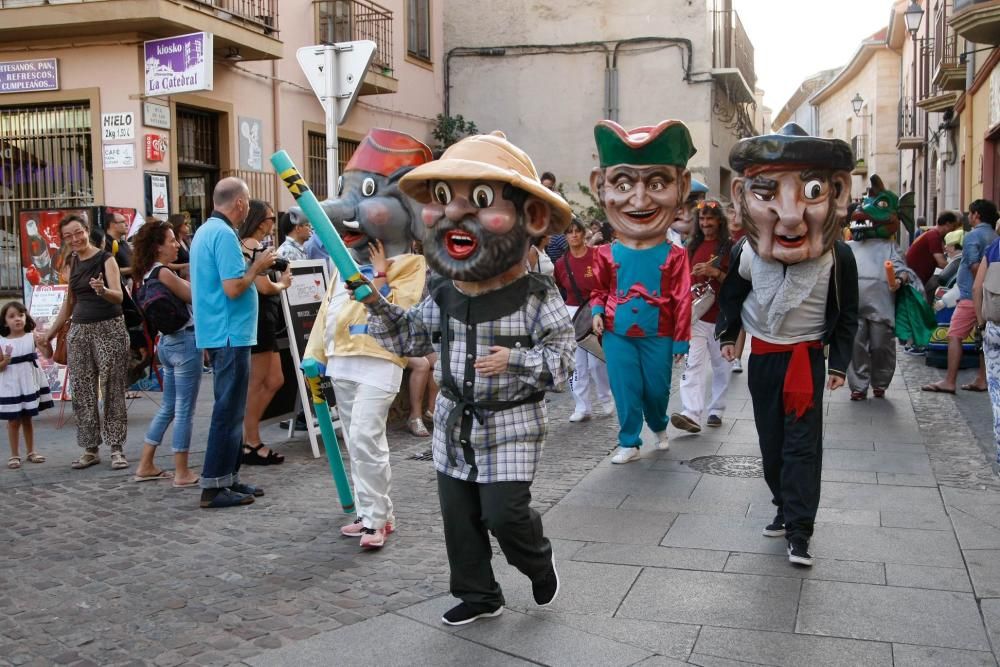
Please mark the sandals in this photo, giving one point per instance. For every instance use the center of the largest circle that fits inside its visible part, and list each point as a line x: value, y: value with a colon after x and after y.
x: 85, y: 461
x: 35, y: 457
x: 253, y: 457
x: 118, y: 460
x: 416, y: 427
x: 14, y: 462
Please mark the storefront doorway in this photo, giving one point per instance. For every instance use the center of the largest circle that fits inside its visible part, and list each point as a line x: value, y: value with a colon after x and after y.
x: 46, y: 162
x: 197, y: 161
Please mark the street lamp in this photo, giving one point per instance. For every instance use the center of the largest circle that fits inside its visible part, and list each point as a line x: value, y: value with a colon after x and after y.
x: 857, y: 102
x: 913, y: 15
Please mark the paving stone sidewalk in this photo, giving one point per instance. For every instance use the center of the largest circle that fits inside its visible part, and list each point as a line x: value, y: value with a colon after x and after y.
x: 664, y: 564
x: 661, y: 563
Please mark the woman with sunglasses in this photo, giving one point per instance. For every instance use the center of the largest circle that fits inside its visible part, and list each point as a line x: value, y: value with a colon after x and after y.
x: 266, y: 377
x: 708, y: 254
x: 97, y: 345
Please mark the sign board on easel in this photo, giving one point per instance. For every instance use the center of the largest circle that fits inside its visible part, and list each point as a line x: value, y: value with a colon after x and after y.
x: 44, y: 306
x: 301, y: 303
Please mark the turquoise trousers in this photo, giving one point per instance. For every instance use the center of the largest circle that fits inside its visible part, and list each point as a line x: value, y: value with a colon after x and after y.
x: 639, y: 372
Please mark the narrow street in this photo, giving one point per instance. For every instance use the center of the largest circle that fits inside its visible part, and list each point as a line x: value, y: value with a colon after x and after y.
x: 661, y: 563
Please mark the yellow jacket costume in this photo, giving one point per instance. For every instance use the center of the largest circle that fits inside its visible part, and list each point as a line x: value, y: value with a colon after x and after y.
x: 405, y: 276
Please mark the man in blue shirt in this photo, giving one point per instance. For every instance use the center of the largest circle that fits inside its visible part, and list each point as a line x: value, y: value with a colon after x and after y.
x: 225, y: 325
x: 983, y: 218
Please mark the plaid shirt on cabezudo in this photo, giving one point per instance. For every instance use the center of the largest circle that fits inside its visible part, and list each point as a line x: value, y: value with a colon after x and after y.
x: 486, y: 429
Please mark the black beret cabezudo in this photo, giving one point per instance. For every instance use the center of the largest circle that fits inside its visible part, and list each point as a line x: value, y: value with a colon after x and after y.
x: 792, y: 145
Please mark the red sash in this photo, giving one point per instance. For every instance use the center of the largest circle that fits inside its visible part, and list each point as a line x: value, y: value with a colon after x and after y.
x: 797, y: 392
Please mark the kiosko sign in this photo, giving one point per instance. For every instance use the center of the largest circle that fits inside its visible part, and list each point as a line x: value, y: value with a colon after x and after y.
x: 28, y: 76
x: 179, y: 64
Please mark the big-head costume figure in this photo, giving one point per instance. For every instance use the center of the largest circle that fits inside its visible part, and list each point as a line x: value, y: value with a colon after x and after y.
x: 794, y: 288
x: 642, y: 303
x: 504, y: 338
x: 873, y: 227
x: 378, y: 223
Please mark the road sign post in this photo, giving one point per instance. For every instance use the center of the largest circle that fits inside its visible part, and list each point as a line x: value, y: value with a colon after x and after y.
x: 335, y: 72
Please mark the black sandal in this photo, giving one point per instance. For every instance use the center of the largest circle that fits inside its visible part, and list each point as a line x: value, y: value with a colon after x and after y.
x: 253, y: 457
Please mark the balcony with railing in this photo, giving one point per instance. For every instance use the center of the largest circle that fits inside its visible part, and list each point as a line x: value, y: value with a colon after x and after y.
x: 859, y: 144
x: 352, y: 20
x: 949, y: 72
x: 977, y: 20
x: 244, y: 28
x: 732, y: 56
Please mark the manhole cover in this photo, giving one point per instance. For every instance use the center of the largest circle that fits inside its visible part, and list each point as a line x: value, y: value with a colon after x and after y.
x: 728, y: 466
x: 426, y: 455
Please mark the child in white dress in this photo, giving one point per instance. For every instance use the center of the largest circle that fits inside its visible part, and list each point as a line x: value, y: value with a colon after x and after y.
x: 24, y: 391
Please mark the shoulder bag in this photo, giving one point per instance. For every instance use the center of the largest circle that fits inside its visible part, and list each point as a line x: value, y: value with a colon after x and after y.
x: 583, y: 318
x: 991, y: 293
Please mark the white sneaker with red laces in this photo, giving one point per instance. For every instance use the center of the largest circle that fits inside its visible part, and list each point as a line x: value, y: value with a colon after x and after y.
x: 356, y: 528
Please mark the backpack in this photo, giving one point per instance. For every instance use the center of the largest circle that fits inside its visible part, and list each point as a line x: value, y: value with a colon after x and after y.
x: 991, y: 293
x: 164, y: 311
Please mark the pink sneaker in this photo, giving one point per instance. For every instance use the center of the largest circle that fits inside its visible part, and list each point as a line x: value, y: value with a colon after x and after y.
x: 356, y: 528
x: 373, y: 538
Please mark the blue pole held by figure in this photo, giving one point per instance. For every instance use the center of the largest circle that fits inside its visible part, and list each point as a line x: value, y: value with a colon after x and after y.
x: 304, y: 197
x: 311, y: 369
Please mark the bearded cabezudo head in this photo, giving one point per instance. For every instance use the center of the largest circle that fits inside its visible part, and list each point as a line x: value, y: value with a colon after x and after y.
x: 642, y: 179
x: 792, y: 191
x: 369, y: 205
x: 880, y: 213
x: 482, y: 204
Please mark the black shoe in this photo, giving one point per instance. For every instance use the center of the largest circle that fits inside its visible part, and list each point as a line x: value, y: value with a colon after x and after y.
x: 714, y: 421
x: 253, y: 457
x: 798, y: 553
x: 547, y: 588
x: 219, y: 498
x: 462, y: 613
x: 776, y: 528
x: 300, y: 422
x: 247, y: 489
x: 684, y: 423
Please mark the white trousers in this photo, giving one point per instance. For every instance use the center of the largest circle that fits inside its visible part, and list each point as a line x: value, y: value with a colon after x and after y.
x: 589, y: 367
x: 704, y: 354
x: 363, y: 411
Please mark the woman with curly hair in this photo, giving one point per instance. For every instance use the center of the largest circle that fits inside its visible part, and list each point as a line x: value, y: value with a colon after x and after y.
x: 154, y: 250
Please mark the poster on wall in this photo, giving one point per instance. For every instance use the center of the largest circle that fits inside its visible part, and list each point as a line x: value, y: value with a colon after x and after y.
x: 46, y: 300
x: 29, y: 76
x: 119, y: 156
x: 157, y: 187
x: 179, y: 64
x: 250, y: 152
x: 42, y: 258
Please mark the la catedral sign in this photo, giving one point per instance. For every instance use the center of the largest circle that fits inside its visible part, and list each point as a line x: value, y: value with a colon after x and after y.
x: 179, y: 64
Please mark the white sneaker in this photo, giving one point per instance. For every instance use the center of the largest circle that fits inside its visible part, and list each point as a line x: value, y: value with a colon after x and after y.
x: 604, y: 409
x: 737, y: 366
x: 579, y: 416
x: 662, y: 443
x: 625, y: 454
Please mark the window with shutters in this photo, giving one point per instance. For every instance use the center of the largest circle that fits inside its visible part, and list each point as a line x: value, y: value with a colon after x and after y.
x: 418, y: 29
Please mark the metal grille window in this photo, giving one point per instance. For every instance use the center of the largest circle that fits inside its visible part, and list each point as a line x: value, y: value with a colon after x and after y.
x: 197, y: 139
x: 418, y: 29
x: 351, y: 20
x: 45, y: 162
x: 316, y: 161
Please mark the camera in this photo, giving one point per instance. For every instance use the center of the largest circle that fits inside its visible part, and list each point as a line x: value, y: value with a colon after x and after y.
x: 280, y: 263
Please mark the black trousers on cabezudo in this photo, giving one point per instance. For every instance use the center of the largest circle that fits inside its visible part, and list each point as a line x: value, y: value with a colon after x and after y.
x: 792, y: 449
x: 470, y: 510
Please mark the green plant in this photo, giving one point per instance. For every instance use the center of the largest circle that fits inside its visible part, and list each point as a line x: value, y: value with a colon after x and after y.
x: 450, y: 129
x: 589, y: 211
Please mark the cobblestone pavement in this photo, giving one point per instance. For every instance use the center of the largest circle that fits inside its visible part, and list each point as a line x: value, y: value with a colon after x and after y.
x: 96, y: 569
x: 957, y: 430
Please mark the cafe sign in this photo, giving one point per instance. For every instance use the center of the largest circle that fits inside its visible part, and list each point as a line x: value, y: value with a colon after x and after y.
x: 179, y: 64
x: 29, y: 76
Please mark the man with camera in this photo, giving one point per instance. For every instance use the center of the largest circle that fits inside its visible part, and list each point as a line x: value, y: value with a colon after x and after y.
x: 225, y: 321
